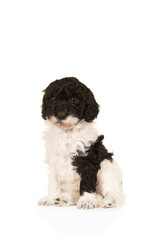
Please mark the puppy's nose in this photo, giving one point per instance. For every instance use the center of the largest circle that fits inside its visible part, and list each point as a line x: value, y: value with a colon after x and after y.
x: 61, y: 115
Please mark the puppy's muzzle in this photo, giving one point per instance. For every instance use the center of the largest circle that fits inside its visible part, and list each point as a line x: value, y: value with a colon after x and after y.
x: 62, y: 114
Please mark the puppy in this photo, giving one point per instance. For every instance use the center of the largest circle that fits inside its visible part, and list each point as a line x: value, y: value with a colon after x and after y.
x: 81, y: 170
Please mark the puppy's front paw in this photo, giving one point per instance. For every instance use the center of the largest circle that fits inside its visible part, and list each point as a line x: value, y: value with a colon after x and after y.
x: 87, y: 201
x: 49, y: 201
x: 57, y: 202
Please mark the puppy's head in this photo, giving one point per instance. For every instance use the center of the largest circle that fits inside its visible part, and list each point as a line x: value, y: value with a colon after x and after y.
x: 67, y: 101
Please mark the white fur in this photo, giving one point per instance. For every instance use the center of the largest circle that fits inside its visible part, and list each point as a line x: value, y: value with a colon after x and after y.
x: 87, y: 200
x: 109, y: 186
x: 61, y: 146
x: 65, y: 124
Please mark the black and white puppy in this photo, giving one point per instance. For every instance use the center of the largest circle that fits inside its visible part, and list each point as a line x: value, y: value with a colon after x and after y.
x: 81, y: 170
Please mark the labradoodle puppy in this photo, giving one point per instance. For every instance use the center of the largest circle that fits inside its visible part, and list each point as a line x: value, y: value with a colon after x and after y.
x: 81, y: 170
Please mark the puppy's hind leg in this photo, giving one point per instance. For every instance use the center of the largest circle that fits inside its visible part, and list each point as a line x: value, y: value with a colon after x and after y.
x: 109, y: 186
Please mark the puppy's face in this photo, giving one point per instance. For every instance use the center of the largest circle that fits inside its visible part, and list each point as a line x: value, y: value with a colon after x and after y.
x: 67, y: 101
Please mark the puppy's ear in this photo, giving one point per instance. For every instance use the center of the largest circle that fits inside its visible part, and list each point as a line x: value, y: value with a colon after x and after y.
x: 92, y: 108
x: 44, y: 107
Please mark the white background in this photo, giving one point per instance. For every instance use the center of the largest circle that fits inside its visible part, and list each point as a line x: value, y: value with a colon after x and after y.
x: 114, y: 48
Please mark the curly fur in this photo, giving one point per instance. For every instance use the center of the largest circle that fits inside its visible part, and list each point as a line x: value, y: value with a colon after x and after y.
x: 81, y: 170
x: 87, y: 166
x: 70, y: 96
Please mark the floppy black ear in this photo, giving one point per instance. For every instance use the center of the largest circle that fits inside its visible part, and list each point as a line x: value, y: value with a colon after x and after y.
x: 44, y: 107
x: 92, y: 108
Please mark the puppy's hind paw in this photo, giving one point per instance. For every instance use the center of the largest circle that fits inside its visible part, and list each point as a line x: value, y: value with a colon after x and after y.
x: 112, y: 200
x: 109, y: 201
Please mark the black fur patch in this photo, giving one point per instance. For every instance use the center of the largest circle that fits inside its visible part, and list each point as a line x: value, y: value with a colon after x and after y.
x: 68, y: 96
x: 88, y: 166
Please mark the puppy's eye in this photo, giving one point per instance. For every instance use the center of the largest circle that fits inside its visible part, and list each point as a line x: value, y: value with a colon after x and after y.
x: 53, y: 99
x: 74, y: 99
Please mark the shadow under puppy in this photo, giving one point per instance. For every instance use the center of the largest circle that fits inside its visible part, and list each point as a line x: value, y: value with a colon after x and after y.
x: 81, y: 170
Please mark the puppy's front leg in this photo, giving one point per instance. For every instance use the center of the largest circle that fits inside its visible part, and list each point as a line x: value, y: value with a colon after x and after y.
x: 87, y: 170
x: 87, y: 201
x: 54, y: 189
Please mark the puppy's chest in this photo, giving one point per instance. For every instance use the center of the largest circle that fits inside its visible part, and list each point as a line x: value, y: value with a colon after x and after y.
x: 67, y: 145
x: 61, y: 147
x: 64, y: 153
